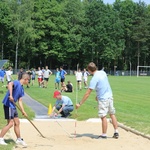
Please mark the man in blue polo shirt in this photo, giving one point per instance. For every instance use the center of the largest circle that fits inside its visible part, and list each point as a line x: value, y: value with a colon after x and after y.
x: 63, y: 105
x: 13, y: 95
x: 104, y: 96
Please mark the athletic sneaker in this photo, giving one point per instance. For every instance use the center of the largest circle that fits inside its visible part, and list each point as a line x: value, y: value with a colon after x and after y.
x: 68, y: 115
x: 102, y: 137
x: 116, y: 135
x: 20, y: 141
x: 2, y: 142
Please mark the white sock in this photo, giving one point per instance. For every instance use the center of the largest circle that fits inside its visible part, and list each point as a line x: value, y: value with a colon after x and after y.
x: 104, y: 134
x: 116, y: 131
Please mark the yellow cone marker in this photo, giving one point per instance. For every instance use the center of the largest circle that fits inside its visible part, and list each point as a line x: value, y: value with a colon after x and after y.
x: 49, y: 109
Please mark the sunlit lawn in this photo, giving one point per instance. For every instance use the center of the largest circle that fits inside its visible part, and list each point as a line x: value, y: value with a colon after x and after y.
x: 131, y: 100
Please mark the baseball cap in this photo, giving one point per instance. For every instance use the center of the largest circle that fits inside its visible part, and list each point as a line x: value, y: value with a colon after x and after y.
x: 56, y: 93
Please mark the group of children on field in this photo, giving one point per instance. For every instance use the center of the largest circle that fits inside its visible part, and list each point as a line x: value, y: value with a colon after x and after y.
x: 64, y: 104
x: 43, y: 77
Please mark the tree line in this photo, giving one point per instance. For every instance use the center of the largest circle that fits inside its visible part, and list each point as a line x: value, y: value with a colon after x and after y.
x: 69, y: 32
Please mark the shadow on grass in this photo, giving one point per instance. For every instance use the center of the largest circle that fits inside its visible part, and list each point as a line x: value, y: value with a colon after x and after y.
x: 11, y: 144
x: 10, y: 141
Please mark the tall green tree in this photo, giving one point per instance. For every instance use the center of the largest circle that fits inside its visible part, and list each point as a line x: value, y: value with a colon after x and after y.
x: 73, y: 15
x: 21, y: 25
x: 93, y: 29
x: 113, y: 42
x: 104, y: 34
x: 126, y: 10
x: 4, y: 27
x: 141, y: 32
x: 60, y: 32
x: 48, y: 25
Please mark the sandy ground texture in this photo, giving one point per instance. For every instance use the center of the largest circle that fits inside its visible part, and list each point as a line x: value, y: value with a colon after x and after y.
x: 57, y: 136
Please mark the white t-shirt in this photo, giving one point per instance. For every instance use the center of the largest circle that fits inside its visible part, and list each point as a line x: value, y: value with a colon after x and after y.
x: 85, y: 75
x: 40, y: 74
x: 79, y: 76
x: 8, y: 75
x: 47, y: 73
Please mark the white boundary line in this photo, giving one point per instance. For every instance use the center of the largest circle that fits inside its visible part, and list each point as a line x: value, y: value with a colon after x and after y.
x: 64, y: 119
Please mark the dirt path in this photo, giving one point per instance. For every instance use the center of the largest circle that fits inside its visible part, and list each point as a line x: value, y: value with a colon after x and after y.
x: 58, y: 139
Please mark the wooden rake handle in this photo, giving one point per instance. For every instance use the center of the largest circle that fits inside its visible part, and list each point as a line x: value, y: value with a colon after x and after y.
x: 29, y: 120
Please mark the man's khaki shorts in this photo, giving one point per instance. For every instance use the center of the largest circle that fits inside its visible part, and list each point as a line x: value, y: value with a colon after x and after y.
x: 105, y: 107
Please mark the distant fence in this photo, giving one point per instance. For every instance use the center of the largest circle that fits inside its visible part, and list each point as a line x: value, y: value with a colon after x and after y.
x: 129, y: 73
x: 117, y: 73
x: 2, y: 62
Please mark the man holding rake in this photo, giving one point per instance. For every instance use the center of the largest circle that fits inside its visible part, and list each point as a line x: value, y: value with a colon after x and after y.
x: 14, y: 94
x: 104, y: 96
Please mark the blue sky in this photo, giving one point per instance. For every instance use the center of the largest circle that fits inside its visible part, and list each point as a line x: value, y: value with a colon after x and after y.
x: 112, y: 1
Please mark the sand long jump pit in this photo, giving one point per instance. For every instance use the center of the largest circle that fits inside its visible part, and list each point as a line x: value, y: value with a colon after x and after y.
x: 57, y: 136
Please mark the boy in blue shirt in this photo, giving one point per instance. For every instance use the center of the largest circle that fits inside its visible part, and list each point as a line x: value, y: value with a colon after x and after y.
x: 14, y: 94
x: 2, y: 74
x: 63, y: 105
x: 62, y: 75
x: 57, y: 78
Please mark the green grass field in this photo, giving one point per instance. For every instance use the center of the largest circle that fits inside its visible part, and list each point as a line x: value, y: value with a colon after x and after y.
x: 131, y: 100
